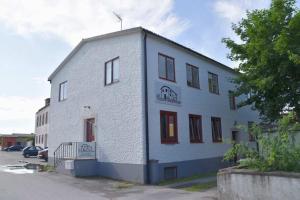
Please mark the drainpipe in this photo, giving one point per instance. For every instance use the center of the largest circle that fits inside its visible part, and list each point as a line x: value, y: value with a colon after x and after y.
x: 146, y: 109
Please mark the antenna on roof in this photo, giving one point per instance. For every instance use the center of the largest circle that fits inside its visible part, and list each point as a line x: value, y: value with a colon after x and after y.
x: 119, y: 18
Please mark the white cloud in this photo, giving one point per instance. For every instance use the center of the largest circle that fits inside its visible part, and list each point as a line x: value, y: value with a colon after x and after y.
x: 234, y: 10
x: 18, y: 109
x: 75, y: 19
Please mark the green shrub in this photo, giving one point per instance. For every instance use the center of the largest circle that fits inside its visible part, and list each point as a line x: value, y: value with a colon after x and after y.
x: 275, y: 150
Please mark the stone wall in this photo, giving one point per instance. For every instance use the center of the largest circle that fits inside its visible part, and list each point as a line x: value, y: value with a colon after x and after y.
x: 240, y: 184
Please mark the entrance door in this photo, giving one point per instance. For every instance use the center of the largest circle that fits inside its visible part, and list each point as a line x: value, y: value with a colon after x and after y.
x: 90, y: 134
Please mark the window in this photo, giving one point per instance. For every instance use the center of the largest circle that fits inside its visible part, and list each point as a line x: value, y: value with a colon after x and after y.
x: 46, y: 118
x: 42, y: 139
x: 166, y: 67
x: 36, y: 139
x: 213, y: 83
x: 112, y: 68
x: 192, y: 76
x: 40, y: 120
x: 63, y: 91
x: 251, y: 136
x: 168, y: 127
x: 37, y: 121
x: 231, y: 100
x: 216, y: 129
x: 170, y: 173
x: 43, y: 119
x: 195, y: 129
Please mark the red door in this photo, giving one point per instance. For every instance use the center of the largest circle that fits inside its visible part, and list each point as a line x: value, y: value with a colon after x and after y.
x: 90, y: 135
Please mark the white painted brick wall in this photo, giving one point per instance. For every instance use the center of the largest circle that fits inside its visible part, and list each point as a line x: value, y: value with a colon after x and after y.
x: 117, y: 107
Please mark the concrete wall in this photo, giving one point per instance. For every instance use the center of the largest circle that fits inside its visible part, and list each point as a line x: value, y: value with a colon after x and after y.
x: 247, y: 185
x: 193, y: 101
x: 117, y: 108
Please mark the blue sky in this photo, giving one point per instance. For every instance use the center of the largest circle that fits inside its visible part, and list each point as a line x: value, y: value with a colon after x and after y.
x: 35, y: 36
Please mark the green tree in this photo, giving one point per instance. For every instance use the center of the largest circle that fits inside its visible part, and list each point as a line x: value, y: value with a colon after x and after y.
x: 269, y: 57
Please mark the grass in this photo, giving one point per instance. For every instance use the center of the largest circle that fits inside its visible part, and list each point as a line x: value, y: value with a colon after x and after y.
x: 179, y: 180
x: 200, y: 187
x: 124, y: 185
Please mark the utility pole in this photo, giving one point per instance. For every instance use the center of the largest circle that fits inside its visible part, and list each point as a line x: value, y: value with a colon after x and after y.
x: 119, y: 18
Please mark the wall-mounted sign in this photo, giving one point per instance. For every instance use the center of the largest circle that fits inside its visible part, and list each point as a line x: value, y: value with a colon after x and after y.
x: 167, y: 94
x: 86, y: 150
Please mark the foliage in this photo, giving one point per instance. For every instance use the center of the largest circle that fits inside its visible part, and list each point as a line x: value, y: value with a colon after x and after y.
x: 277, y: 150
x: 269, y: 57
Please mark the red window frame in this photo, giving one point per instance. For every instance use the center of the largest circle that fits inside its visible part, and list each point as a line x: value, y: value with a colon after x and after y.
x: 215, y: 139
x: 199, y: 138
x: 168, y: 139
x: 166, y: 57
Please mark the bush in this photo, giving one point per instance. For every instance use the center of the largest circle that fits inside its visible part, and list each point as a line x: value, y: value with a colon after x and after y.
x: 276, y: 150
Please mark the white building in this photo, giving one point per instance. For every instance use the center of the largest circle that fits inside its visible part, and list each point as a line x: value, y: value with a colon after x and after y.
x: 42, y: 125
x: 155, y: 108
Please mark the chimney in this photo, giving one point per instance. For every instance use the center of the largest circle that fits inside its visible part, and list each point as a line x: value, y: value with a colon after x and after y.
x: 47, y: 102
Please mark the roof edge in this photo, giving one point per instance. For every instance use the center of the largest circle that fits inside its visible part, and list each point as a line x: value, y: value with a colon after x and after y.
x: 133, y: 30
x: 83, y: 41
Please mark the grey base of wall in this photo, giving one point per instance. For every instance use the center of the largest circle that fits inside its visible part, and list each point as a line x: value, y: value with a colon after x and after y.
x: 137, y: 172
x: 185, y: 168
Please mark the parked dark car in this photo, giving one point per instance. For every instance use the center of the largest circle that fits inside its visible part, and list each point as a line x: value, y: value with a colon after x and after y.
x: 14, y: 148
x: 31, y: 151
x: 43, y: 154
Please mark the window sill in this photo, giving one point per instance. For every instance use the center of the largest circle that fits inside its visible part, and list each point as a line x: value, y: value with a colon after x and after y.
x: 196, y: 142
x: 169, y: 142
x: 218, y: 142
x: 62, y: 100
x: 198, y: 88
x: 112, y: 83
x: 214, y: 93
x: 167, y: 80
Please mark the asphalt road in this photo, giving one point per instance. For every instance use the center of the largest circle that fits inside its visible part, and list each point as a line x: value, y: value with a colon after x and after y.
x: 17, y: 183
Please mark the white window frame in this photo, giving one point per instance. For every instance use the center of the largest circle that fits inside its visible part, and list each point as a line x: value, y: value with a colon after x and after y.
x: 112, y: 75
x: 63, y: 91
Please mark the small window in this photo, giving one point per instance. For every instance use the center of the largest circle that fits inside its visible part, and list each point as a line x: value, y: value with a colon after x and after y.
x: 251, y: 136
x: 168, y: 125
x: 231, y: 100
x: 216, y: 129
x: 42, y: 140
x: 192, y: 76
x: 112, y: 69
x: 63, y: 91
x: 170, y: 173
x: 213, y: 83
x: 195, y: 124
x: 36, y: 139
x: 166, y: 67
x: 40, y: 120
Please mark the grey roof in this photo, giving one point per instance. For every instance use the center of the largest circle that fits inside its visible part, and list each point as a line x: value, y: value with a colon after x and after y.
x: 134, y: 30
